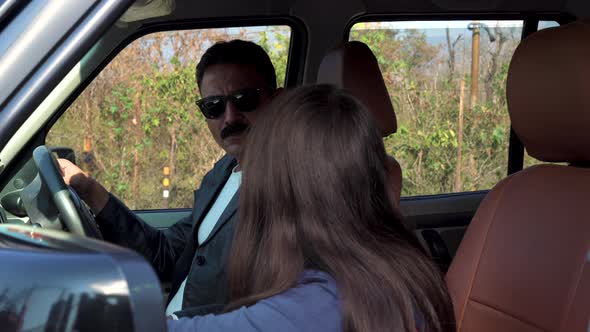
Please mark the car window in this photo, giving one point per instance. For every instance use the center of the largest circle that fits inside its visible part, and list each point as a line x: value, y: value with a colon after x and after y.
x: 136, y: 128
x: 453, y: 126
x: 547, y: 24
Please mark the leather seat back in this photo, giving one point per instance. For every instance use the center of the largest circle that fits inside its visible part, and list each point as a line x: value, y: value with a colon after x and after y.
x: 353, y: 67
x: 522, y: 263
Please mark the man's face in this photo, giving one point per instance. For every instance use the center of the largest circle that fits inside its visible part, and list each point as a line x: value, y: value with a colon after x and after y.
x: 230, y: 128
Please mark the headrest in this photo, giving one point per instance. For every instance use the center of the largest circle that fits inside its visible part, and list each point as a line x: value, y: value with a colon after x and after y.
x: 548, y: 93
x: 353, y: 67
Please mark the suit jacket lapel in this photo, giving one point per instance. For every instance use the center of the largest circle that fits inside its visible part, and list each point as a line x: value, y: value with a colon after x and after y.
x: 227, y: 214
x: 203, y: 200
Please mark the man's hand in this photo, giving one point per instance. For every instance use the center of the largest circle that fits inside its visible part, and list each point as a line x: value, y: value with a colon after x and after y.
x: 94, y: 194
x: 75, y: 177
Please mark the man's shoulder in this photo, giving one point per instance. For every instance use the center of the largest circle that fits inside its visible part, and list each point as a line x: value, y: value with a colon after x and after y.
x: 227, y: 161
x: 220, y: 169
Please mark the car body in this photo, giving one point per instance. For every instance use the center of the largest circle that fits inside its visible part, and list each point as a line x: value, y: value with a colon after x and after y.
x: 52, y: 51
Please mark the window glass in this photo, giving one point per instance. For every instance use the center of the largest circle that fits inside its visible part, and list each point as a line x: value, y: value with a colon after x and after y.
x: 136, y: 128
x: 547, y: 24
x: 446, y: 80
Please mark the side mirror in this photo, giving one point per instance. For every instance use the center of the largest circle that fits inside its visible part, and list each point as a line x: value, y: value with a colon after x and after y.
x: 56, y: 281
x: 64, y: 153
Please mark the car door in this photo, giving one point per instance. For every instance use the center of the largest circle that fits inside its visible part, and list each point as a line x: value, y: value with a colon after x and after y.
x: 40, y: 41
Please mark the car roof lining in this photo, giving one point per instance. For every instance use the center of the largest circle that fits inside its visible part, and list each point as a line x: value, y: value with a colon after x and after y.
x: 190, y: 9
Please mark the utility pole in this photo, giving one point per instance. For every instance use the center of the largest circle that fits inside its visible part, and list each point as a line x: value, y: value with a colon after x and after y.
x: 475, y: 28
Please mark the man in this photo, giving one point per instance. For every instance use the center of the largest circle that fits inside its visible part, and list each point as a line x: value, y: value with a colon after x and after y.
x: 236, y: 79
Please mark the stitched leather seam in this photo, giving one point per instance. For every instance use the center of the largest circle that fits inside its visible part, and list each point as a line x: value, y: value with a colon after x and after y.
x: 524, y: 321
x: 483, y: 247
x: 572, y: 295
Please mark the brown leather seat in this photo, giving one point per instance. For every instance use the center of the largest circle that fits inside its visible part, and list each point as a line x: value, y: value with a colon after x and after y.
x: 522, y: 263
x: 352, y: 66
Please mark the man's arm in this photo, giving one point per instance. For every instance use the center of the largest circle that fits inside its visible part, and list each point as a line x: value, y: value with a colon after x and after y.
x: 92, y: 192
x: 162, y: 248
x: 121, y: 226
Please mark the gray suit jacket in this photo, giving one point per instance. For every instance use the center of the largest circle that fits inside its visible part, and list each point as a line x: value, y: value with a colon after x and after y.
x: 175, y: 253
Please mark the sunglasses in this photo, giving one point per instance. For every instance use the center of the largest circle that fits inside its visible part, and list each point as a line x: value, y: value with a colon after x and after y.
x: 245, y: 100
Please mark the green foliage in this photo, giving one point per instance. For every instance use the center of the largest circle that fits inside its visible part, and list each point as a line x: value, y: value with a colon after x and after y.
x: 427, y: 109
x: 140, y: 115
x: 275, y: 41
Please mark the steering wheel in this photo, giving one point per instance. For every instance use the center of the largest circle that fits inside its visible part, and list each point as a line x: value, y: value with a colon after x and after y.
x: 73, y: 213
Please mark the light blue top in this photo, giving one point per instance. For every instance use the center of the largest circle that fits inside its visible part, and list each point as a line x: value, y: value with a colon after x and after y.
x: 311, y: 306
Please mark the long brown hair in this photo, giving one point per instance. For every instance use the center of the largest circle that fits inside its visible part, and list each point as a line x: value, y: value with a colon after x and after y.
x: 314, y: 196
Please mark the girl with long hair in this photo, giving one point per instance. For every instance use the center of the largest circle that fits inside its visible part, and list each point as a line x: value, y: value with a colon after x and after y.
x: 319, y: 245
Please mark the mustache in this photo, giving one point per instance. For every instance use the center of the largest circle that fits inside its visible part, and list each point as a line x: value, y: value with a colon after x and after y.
x: 233, y: 129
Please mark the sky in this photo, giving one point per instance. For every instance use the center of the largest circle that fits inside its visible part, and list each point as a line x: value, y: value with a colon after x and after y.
x: 435, y: 24
x: 435, y: 31
x: 443, y: 24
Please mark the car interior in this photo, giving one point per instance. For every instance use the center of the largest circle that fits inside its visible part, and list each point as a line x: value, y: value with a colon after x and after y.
x: 514, y: 249
x: 353, y: 67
